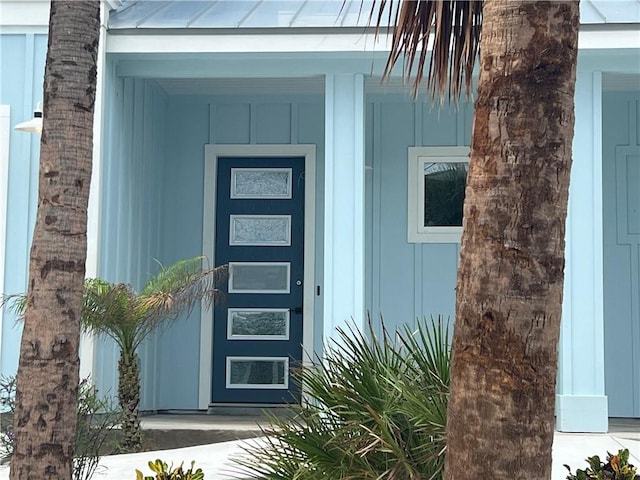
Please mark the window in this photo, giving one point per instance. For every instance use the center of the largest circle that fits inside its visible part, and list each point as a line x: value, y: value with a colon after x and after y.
x: 436, y: 184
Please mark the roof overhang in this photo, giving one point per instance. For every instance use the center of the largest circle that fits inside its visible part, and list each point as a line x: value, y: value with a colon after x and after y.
x: 243, y: 41
x: 278, y: 40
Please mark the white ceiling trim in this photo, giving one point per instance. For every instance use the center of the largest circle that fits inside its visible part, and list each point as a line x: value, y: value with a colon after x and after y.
x: 256, y: 43
x: 303, y: 43
x: 610, y: 39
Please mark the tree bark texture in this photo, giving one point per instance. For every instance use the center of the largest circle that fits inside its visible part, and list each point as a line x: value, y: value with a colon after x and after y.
x: 47, y: 383
x: 129, y: 400
x: 509, y: 291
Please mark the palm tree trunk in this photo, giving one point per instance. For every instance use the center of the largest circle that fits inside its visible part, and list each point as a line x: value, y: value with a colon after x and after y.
x: 47, y: 381
x: 129, y: 399
x: 510, y: 278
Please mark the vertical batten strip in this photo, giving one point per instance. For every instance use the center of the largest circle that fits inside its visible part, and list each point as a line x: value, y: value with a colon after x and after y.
x: 418, y: 248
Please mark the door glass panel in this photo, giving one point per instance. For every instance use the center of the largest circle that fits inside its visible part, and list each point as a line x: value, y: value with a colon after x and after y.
x: 266, y: 230
x: 259, y: 277
x: 257, y: 372
x: 258, y: 324
x: 260, y: 183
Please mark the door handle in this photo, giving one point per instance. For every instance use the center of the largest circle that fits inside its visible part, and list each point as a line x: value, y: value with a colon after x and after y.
x: 296, y: 310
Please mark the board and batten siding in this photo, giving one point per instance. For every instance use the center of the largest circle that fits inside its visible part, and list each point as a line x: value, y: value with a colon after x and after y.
x: 192, y: 123
x: 403, y: 281
x: 22, y: 59
x: 406, y: 281
x: 621, y: 249
x: 131, y: 209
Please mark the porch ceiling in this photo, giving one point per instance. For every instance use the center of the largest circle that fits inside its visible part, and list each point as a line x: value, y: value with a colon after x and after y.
x: 244, y: 14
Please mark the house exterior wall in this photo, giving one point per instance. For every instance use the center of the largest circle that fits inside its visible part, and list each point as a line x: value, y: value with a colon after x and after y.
x: 132, y: 203
x: 191, y: 123
x: 22, y: 58
x: 621, y: 217
x: 152, y: 194
x: 406, y: 281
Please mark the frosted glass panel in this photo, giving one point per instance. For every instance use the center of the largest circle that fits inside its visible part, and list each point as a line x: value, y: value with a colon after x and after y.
x: 267, y: 230
x: 259, y: 277
x: 257, y: 372
x: 260, y: 183
x: 258, y: 324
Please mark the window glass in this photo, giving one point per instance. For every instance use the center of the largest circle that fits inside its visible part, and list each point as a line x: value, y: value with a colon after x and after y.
x: 265, y: 230
x: 259, y: 277
x: 261, y: 183
x: 258, y: 324
x: 444, y: 184
x: 257, y: 372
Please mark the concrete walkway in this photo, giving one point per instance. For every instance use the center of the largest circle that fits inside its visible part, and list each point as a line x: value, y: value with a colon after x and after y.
x: 214, y: 459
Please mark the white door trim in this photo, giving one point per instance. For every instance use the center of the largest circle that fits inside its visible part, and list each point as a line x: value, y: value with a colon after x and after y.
x: 212, y: 152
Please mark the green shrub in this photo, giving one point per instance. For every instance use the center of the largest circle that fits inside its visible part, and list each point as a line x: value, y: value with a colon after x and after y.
x: 375, y: 408
x: 164, y: 472
x: 616, y: 468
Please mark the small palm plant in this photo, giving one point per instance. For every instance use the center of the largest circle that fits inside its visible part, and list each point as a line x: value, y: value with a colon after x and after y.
x: 128, y: 317
x: 375, y: 409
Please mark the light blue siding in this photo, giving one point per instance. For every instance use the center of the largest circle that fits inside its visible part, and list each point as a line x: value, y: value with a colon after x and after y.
x: 621, y: 245
x: 131, y: 210
x: 22, y: 59
x: 406, y: 281
x: 181, y: 128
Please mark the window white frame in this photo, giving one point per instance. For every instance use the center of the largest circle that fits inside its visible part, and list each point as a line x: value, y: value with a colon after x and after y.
x: 418, y: 156
x: 260, y: 386
x: 231, y: 336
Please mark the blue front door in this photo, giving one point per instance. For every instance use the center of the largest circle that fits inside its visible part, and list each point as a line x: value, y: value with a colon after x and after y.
x: 257, y: 331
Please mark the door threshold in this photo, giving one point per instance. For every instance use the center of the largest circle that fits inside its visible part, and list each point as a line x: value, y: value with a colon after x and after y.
x: 250, y: 409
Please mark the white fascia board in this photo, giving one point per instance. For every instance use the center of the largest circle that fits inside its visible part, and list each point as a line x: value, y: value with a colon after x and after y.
x: 23, y: 15
x: 624, y: 38
x: 627, y: 37
x: 254, y: 43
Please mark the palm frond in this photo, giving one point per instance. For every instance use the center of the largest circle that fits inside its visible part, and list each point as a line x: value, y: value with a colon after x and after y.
x: 177, y: 288
x: 456, y: 28
x: 128, y: 317
x: 16, y: 303
x: 376, y: 408
x: 113, y: 309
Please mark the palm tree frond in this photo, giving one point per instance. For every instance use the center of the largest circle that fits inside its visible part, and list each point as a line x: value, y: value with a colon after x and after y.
x: 176, y: 289
x: 16, y: 303
x: 110, y: 309
x: 456, y: 28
